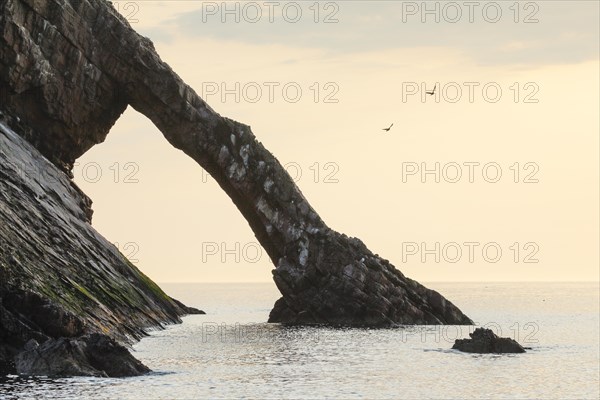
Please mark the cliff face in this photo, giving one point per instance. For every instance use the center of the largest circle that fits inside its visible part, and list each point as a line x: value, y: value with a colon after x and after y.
x: 69, y: 68
x: 59, y: 278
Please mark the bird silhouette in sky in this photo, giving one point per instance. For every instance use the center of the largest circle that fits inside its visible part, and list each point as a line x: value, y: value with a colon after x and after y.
x: 433, y: 91
x: 388, y: 129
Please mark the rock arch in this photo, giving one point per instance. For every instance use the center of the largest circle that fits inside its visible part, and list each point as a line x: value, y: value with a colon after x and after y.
x: 69, y: 70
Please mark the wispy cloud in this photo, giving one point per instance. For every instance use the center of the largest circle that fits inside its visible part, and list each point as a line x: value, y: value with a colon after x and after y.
x: 565, y: 32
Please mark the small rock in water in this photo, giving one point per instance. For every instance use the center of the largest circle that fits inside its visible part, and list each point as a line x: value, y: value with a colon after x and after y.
x: 486, y: 341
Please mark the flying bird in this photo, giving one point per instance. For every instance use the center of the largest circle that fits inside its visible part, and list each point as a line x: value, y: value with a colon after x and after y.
x: 433, y: 91
x: 388, y: 129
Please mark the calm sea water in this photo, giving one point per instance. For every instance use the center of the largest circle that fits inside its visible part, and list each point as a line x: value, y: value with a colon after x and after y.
x: 233, y: 353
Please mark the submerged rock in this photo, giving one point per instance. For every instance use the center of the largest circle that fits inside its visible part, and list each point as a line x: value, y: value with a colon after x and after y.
x: 486, y: 341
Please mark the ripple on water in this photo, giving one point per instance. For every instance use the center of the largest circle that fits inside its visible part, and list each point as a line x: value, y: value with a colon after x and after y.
x: 226, y: 355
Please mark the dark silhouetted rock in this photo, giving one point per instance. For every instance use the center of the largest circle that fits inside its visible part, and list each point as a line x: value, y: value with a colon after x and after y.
x: 93, y: 355
x: 188, y: 310
x: 486, y: 341
x: 56, y: 357
x: 105, y: 354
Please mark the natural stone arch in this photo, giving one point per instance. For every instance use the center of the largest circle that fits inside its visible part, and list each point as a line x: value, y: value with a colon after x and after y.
x: 324, y: 276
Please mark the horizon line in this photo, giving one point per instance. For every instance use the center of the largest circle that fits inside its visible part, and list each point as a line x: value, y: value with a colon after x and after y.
x: 247, y: 282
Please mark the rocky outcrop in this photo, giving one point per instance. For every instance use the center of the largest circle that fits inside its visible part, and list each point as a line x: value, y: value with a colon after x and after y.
x: 486, y: 341
x: 188, y: 310
x: 69, y: 68
x: 91, y: 355
x: 61, y: 281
